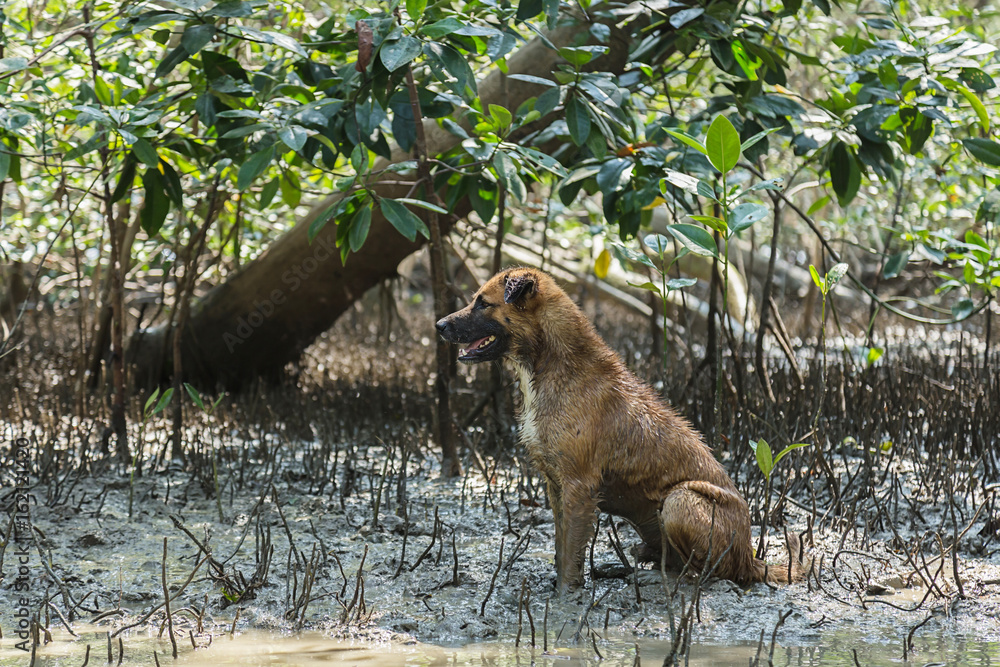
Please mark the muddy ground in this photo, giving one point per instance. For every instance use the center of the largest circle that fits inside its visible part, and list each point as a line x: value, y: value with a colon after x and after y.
x: 331, y: 515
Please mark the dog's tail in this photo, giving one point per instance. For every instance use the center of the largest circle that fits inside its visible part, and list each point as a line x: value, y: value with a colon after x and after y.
x: 794, y: 570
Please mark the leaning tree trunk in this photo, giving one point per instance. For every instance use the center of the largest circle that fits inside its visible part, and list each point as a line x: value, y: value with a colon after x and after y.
x: 263, y: 317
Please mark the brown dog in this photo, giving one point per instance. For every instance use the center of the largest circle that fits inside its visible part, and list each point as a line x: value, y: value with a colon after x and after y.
x: 603, y: 439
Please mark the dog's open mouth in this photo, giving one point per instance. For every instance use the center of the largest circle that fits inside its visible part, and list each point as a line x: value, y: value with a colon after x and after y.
x: 475, y: 348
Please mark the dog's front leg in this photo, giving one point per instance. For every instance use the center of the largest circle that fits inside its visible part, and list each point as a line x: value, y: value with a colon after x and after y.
x: 555, y: 501
x: 579, y: 515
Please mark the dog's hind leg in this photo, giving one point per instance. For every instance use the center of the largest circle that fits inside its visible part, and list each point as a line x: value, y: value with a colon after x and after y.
x: 702, y: 521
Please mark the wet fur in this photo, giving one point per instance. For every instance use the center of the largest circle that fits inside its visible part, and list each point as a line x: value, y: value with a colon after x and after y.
x: 603, y: 439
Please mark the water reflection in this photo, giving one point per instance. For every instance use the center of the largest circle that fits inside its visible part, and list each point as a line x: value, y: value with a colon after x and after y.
x: 313, y: 650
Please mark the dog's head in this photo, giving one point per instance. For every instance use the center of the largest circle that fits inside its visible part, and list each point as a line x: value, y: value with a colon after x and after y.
x: 492, y: 325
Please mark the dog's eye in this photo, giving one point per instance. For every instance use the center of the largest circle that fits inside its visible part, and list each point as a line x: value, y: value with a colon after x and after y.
x: 481, y: 305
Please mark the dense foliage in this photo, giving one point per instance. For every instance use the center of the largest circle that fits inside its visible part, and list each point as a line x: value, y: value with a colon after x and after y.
x: 233, y: 114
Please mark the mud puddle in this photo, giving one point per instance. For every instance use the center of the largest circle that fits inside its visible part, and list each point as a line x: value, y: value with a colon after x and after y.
x: 310, y: 649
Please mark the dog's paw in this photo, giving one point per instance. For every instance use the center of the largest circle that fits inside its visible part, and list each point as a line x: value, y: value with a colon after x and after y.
x: 644, y: 553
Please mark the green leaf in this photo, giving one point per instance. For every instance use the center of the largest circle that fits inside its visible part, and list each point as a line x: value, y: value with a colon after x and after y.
x: 977, y: 79
x: 713, y: 222
x: 748, y: 66
x: 151, y: 401
x: 291, y: 189
x: 895, y: 264
x: 359, y: 158
x: 680, y: 180
x: 752, y: 141
x: 614, y: 175
x: 680, y: 283
x: 685, y: 16
x: 529, y: 9
x: 125, y: 180
x: 445, y: 59
x: 231, y: 9
x: 722, y: 144
x: 255, y: 165
x: 441, y: 28
x: 626, y: 254
x: 102, y: 91
x: 978, y: 107
x: 145, y: 152
x: 818, y: 204
x: 276, y: 38
x: 962, y: 309
x: 690, y: 141
x: 267, y: 194
x: 530, y: 78
x: 359, y: 227
x: 888, y: 74
x: 762, y: 451
x: 293, y: 136
x: 419, y: 203
x: 245, y: 130
x: 874, y: 354
x: 99, y: 140
x: 577, y: 120
x: 969, y: 273
x: 498, y: 46
x: 695, y: 239
x: 156, y: 204
x: 195, y: 396
x: 815, y: 276
x: 769, y: 184
x: 578, y: 56
x: 787, y: 449
x: 164, y: 401
x: 403, y: 219
x: 172, y: 60
x: 648, y: 286
x: 317, y: 225
x: 400, y: 52
x: 834, y: 275
x: 415, y: 8
x: 745, y: 215
x: 13, y: 64
x: 172, y: 184
x: 658, y: 243
x: 507, y: 175
x: 501, y: 116
x: 845, y: 176
x: 197, y: 37
x: 985, y: 150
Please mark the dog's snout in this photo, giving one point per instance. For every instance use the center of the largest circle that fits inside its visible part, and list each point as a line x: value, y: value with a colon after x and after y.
x: 442, y: 325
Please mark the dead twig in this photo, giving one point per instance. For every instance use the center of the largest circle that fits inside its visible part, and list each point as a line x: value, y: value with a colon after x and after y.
x: 166, y: 602
x: 493, y: 581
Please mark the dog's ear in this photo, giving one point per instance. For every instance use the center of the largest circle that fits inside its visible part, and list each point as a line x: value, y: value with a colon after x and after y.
x: 518, y: 288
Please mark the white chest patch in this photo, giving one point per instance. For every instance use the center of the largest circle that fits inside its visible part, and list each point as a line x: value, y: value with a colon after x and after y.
x: 529, y: 407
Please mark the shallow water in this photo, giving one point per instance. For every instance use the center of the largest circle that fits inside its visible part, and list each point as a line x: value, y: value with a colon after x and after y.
x: 314, y: 649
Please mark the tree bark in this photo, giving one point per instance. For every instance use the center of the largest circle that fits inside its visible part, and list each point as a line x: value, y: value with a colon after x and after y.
x: 262, y: 317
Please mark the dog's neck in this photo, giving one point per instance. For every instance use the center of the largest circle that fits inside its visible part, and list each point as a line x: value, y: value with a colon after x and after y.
x: 527, y: 415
